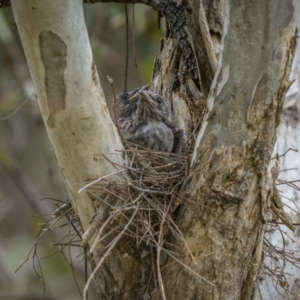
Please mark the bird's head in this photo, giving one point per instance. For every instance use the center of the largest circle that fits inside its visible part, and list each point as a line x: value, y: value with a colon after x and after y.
x: 127, y: 102
x: 151, y: 106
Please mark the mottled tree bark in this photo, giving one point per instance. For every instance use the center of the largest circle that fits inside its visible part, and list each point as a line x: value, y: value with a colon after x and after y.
x: 231, y: 183
x: 227, y: 92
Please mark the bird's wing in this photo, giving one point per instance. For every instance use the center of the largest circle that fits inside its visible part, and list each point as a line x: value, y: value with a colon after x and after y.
x: 170, y: 124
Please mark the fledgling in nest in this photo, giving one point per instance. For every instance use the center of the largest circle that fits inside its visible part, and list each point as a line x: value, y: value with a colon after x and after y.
x: 127, y: 103
x: 144, y: 119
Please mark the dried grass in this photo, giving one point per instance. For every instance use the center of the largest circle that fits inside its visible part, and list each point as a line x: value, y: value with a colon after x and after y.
x: 145, y: 199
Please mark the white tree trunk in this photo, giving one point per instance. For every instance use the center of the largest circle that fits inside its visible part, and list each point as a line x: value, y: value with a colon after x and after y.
x: 70, y: 97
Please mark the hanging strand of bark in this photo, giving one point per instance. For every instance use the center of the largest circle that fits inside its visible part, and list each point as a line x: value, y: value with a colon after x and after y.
x: 127, y: 48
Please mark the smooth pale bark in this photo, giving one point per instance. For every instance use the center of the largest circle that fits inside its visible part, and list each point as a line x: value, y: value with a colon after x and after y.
x: 70, y: 97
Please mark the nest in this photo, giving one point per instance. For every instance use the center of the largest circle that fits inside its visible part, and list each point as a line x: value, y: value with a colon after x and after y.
x: 141, y: 207
x: 141, y: 204
x: 150, y: 185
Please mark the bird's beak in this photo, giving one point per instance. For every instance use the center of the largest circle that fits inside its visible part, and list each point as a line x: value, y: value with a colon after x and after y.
x: 143, y: 88
x: 147, y: 97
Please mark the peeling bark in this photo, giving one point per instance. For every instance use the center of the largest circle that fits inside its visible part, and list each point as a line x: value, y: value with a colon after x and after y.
x: 230, y: 184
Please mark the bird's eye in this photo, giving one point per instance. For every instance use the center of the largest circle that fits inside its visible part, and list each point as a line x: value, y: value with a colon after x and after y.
x: 125, y: 96
x: 159, y: 100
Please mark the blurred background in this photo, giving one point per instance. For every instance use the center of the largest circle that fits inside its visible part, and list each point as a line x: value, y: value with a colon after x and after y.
x: 28, y: 168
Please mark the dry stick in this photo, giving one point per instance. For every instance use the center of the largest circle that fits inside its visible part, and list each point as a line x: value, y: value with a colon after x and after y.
x: 107, y: 234
x: 85, y: 266
x: 96, y: 222
x: 38, y: 259
x: 59, y: 244
x: 99, y: 179
x: 53, y: 253
x: 35, y: 254
x: 114, y: 242
x: 285, y: 170
x: 34, y: 244
x: 148, y: 284
x: 73, y: 226
x: 290, y: 184
x: 17, y: 109
x: 133, y: 46
x: 282, y: 181
x: 65, y: 244
x: 49, y: 254
x: 148, y: 151
x: 188, y: 268
x: 290, y: 149
x: 153, y: 267
x: 184, y: 241
x: 115, y: 107
x: 52, y: 246
x: 181, y: 237
x: 71, y: 261
x: 94, y: 225
x: 283, y: 243
x: 169, y: 253
x: 127, y: 46
x: 293, y: 201
x: 108, y: 220
x: 115, y: 195
x: 64, y: 256
x: 108, y: 192
x: 207, y: 38
x: 158, y: 250
x: 147, y: 191
x: 279, y: 254
x: 281, y: 223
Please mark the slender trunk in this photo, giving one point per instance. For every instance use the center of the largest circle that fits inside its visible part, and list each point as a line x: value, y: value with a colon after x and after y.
x: 70, y: 97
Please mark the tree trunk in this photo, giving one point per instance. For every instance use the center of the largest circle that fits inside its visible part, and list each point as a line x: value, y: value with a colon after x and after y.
x: 234, y: 88
x: 231, y: 182
x: 287, y: 146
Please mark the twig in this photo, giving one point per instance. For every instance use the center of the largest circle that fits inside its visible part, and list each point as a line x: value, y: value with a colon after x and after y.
x: 290, y: 149
x: 99, y: 179
x: 17, y: 109
x: 153, y: 267
x: 188, y: 268
x: 115, y: 107
x: 133, y: 46
x: 35, y: 243
x: 71, y: 262
x: 112, y: 245
x: 207, y: 38
x: 158, y: 250
x: 127, y: 48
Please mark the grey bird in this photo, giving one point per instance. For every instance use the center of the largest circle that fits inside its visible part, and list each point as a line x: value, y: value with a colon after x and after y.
x: 148, y: 127
x: 127, y: 103
x: 143, y: 118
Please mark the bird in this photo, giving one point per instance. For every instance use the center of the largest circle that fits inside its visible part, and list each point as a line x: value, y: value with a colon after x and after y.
x: 143, y: 118
x: 127, y: 103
